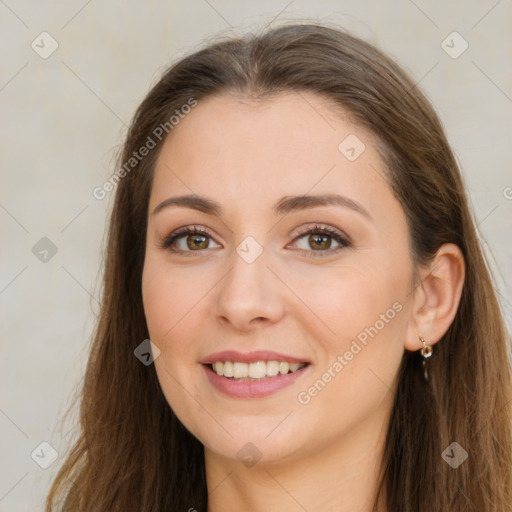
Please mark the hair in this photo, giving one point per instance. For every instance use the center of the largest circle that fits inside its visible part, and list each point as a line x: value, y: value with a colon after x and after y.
x: 133, y: 454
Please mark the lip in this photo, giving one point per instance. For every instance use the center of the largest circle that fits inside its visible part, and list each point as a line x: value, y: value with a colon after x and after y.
x: 252, y: 389
x: 250, y: 357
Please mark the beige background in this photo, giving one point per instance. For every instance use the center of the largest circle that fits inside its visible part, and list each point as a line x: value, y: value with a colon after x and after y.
x: 64, y: 116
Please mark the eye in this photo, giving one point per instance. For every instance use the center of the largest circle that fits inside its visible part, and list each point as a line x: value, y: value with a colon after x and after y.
x: 189, y: 239
x: 321, y: 239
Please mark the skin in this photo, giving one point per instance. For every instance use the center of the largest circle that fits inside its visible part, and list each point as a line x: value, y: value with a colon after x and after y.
x: 247, y: 155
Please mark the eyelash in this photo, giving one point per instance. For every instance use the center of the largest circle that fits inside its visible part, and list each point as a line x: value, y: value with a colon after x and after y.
x: 167, y: 242
x: 343, y: 240
x: 317, y: 229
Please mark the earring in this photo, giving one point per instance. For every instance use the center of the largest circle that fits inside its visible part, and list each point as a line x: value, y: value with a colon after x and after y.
x: 426, y: 351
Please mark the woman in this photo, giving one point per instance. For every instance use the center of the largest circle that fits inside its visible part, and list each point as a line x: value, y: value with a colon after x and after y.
x: 291, y: 232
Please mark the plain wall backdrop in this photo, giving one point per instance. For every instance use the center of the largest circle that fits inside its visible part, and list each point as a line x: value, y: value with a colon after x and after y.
x: 66, y: 108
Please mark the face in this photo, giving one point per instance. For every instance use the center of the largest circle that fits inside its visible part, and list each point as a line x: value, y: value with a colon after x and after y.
x: 277, y: 277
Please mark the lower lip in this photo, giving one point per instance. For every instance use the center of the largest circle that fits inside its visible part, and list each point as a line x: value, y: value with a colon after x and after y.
x: 254, y: 388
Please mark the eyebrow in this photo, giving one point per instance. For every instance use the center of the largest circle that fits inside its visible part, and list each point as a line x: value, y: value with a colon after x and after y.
x: 284, y: 206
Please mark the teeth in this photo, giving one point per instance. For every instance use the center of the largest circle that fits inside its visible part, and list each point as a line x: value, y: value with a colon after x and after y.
x: 272, y: 368
x: 219, y: 368
x: 257, y: 370
x: 240, y: 370
x: 228, y: 369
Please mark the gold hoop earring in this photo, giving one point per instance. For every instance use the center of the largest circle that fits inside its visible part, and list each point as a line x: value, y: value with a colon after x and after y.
x: 426, y: 351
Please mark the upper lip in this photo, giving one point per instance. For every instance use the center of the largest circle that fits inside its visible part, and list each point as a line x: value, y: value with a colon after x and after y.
x: 250, y: 357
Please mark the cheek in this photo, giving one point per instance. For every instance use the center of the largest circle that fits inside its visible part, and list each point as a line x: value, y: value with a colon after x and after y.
x: 171, y: 296
x: 176, y: 308
x: 359, y: 341
x: 358, y: 300
x: 357, y: 366
x: 172, y: 301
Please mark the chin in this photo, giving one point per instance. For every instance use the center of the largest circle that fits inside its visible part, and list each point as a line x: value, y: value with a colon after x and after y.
x: 269, y: 439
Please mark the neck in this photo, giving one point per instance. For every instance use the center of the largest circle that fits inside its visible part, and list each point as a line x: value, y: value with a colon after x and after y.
x: 342, y: 476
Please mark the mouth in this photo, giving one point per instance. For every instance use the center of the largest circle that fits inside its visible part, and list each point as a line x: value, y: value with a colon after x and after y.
x: 239, y: 371
x: 255, y: 375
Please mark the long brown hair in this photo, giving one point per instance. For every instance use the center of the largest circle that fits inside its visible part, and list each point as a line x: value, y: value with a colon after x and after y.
x: 133, y: 454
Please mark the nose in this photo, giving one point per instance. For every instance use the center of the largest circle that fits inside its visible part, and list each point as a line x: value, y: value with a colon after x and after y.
x: 250, y: 295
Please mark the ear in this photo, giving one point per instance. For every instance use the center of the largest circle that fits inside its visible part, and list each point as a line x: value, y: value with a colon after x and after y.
x: 436, y: 298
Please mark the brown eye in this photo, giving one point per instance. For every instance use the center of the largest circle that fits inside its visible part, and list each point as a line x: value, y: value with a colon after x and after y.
x: 319, y: 242
x: 196, y: 242
x: 188, y: 240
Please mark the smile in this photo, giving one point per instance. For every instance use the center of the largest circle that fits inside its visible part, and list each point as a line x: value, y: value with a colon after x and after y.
x: 259, y: 370
x: 242, y: 385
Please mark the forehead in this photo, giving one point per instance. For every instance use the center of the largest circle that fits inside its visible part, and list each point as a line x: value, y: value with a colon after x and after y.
x: 254, y: 151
